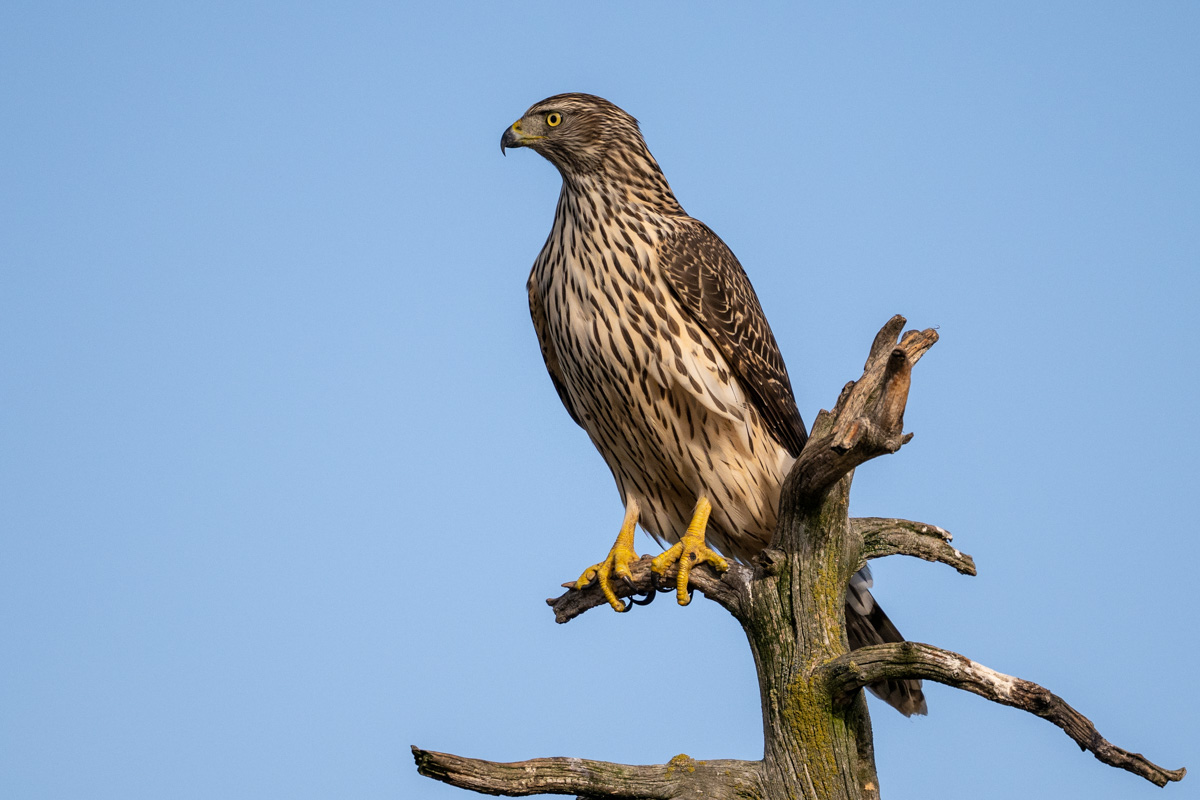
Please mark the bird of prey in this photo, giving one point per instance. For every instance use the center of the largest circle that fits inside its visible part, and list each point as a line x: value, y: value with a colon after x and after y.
x: 659, y: 349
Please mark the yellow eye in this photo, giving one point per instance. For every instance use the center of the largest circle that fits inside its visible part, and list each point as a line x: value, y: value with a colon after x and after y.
x: 553, y: 119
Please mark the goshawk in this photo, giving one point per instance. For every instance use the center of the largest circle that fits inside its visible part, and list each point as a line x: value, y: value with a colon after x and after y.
x: 659, y: 349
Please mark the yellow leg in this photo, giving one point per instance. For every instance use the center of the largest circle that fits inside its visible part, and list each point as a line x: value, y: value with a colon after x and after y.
x: 617, y: 563
x: 689, y: 551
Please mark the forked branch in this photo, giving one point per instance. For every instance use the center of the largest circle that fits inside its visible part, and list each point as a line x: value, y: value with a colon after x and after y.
x: 866, y: 665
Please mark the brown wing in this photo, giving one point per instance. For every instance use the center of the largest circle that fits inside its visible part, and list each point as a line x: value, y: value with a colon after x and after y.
x: 548, y: 355
x: 711, y: 285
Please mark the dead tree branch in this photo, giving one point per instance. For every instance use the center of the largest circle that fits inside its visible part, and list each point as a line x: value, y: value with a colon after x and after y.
x: 881, y: 537
x: 791, y: 602
x: 886, y: 537
x: 723, y: 588
x: 682, y: 777
x: 856, y: 669
x: 868, y: 418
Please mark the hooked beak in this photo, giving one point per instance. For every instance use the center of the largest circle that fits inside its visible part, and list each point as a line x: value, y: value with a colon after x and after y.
x: 514, y: 138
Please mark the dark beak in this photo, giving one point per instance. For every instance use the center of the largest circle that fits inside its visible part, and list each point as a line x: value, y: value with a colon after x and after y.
x: 509, y: 139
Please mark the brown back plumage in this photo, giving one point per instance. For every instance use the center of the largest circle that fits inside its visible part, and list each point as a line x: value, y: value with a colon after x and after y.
x: 710, y: 283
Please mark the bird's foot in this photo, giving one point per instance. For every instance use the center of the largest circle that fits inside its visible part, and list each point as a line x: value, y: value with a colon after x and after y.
x: 616, y: 564
x: 690, y: 551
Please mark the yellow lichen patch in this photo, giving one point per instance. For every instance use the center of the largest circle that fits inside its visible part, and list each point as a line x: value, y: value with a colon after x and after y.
x: 683, y: 762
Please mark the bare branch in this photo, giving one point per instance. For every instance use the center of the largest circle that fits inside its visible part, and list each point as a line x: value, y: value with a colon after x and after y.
x: 886, y: 537
x: 682, y: 777
x: 868, y: 418
x: 725, y: 588
x: 854, y: 670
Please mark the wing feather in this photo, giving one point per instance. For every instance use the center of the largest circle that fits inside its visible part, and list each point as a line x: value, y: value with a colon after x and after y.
x: 710, y: 284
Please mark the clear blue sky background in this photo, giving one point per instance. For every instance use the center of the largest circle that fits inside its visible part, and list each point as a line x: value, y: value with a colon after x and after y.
x: 283, y: 483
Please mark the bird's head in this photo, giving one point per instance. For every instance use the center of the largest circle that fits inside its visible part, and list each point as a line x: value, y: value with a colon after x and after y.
x: 575, y: 132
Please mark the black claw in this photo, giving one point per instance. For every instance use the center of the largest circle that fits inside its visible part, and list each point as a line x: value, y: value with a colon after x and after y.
x: 628, y: 606
x: 650, y: 595
x: 655, y: 585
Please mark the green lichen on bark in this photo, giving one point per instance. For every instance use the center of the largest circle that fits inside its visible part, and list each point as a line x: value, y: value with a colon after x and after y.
x: 795, y: 625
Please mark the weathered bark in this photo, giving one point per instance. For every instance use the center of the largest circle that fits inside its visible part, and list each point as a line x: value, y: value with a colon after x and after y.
x: 889, y: 537
x: 790, y: 602
x: 849, y: 673
x: 681, y: 777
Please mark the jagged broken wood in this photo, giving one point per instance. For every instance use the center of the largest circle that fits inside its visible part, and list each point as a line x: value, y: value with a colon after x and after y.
x: 790, y: 602
x: 868, y: 418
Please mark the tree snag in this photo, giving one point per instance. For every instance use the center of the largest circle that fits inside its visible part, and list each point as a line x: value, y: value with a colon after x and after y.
x: 790, y: 603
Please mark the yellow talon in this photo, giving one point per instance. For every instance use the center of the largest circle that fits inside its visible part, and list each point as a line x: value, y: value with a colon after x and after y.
x: 689, y: 551
x: 617, y: 562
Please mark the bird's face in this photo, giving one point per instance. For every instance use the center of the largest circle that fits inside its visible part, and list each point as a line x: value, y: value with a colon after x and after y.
x: 573, y: 131
x: 533, y: 127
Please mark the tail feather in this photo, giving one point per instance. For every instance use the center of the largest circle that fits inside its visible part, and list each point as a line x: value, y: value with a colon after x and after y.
x: 867, y: 624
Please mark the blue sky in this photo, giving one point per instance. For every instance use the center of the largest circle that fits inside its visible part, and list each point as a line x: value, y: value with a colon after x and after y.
x: 283, y: 483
